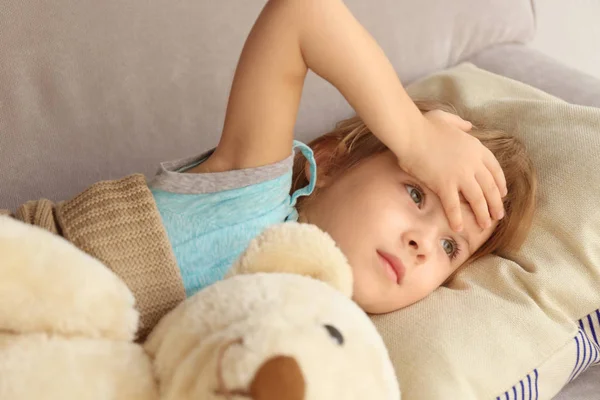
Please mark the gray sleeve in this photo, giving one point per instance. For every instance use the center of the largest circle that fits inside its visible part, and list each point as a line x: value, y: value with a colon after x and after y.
x: 171, y: 176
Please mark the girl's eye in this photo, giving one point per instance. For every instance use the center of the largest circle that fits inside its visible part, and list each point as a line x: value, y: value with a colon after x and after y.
x: 415, y: 194
x: 450, y: 248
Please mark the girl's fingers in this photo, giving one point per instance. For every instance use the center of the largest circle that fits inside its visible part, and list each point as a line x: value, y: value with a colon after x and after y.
x: 474, y: 195
x: 494, y: 168
x: 451, y: 203
x: 491, y: 193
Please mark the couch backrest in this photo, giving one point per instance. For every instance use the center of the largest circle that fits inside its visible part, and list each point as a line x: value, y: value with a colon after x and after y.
x: 93, y: 90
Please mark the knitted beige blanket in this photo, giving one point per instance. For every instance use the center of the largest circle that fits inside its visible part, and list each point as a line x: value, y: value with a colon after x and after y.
x: 118, y: 223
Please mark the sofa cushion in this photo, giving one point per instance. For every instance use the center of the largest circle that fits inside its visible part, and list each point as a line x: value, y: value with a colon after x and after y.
x: 527, y: 65
x: 94, y: 90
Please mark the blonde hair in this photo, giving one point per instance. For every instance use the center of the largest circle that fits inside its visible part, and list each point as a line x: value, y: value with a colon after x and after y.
x: 352, y: 142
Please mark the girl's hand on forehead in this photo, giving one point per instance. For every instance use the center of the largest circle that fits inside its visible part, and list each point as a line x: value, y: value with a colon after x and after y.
x: 451, y: 162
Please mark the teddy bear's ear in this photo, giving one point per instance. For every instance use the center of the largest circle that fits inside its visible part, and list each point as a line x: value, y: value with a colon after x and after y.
x: 297, y: 248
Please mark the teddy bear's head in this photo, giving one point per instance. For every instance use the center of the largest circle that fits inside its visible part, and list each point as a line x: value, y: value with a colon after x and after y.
x: 280, y: 326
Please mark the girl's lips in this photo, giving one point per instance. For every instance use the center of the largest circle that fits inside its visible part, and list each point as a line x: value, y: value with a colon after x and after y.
x: 394, y: 267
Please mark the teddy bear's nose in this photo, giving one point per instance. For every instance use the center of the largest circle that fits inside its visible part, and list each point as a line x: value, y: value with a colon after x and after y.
x: 279, y: 378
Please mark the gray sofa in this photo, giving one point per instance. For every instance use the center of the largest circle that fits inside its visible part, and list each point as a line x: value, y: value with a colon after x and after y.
x: 93, y: 90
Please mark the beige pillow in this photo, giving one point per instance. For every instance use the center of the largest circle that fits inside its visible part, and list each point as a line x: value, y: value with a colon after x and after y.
x: 522, y: 326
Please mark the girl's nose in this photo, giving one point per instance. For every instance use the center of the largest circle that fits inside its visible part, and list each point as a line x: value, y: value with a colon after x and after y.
x: 421, y: 242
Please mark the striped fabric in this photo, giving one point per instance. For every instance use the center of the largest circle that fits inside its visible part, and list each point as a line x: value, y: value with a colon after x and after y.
x: 526, y: 389
x: 582, y: 353
x: 588, y: 349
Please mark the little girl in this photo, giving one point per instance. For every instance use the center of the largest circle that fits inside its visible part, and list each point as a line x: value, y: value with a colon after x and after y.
x: 408, y: 195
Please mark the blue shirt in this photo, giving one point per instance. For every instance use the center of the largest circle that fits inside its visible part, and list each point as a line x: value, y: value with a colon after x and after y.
x: 211, y: 218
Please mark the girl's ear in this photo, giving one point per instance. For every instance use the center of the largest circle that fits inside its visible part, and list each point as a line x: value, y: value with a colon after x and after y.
x: 325, y: 152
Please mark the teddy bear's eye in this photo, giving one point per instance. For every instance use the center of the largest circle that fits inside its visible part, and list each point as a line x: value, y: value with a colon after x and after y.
x: 335, y: 334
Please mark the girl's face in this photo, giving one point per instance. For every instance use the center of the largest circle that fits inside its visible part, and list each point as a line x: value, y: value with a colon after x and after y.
x: 394, y: 233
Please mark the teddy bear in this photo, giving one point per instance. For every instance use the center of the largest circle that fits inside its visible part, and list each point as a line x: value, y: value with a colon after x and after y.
x: 281, y: 325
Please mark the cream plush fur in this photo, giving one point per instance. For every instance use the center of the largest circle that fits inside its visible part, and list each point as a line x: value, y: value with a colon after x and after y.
x: 66, y: 323
x: 281, y: 326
